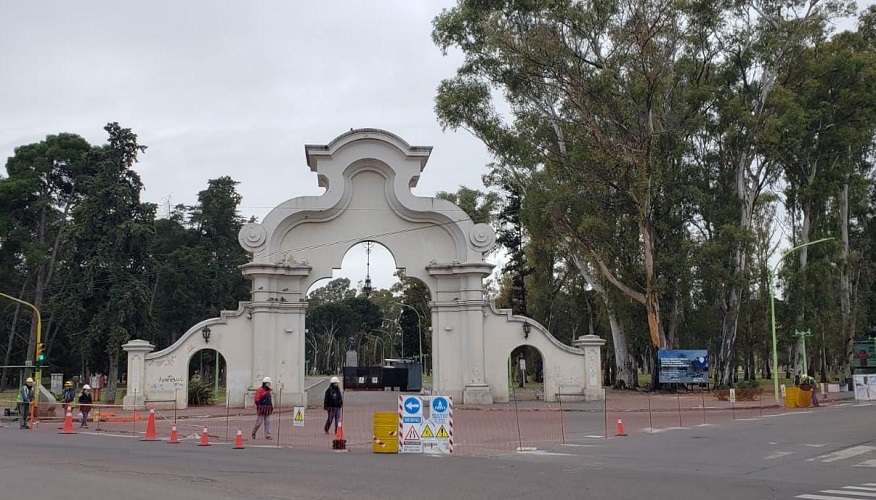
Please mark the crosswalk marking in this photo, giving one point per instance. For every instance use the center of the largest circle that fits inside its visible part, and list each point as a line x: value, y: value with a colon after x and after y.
x: 848, y: 492
x: 868, y: 490
x: 847, y: 453
x: 778, y: 454
x: 867, y: 463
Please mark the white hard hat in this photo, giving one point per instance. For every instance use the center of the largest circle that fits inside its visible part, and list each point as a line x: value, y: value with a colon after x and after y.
x: 28, y: 381
x: 335, y: 380
x: 266, y: 380
x: 86, y: 387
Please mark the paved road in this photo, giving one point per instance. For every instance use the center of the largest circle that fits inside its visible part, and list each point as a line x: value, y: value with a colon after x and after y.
x: 781, y: 457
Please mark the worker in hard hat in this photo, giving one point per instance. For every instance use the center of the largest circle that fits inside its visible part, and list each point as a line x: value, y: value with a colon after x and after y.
x: 85, y: 401
x: 808, y: 383
x: 332, y: 404
x: 68, y: 395
x: 25, y: 399
x: 264, y: 403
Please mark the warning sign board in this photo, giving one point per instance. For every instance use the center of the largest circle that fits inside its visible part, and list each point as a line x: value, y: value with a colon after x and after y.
x: 410, y: 421
x: 442, y: 433
x: 298, y: 416
x: 427, y: 436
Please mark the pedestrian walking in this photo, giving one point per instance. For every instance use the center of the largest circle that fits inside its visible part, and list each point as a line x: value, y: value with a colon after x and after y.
x: 334, y: 401
x: 264, y: 402
x: 25, y: 399
x: 68, y: 395
x: 85, y: 404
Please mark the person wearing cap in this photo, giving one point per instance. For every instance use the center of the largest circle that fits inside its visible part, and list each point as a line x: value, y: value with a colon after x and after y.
x: 68, y: 395
x: 264, y: 407
x: 25, y: 399
x: 85, y: 405
x: 332, y: 404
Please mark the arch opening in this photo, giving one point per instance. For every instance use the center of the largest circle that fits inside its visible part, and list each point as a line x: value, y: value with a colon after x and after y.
x: 206, y: 378
x: 526, y: 373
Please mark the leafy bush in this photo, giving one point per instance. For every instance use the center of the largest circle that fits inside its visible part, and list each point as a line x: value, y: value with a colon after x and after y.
x: 200, y: 392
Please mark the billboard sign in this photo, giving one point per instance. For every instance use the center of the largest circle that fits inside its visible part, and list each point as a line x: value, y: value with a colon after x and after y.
x: 864, y: 354
x: 683, y: 367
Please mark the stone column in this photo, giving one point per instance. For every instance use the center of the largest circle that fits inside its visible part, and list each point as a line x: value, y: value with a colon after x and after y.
x: 592, y: 347
x: 135, y: 395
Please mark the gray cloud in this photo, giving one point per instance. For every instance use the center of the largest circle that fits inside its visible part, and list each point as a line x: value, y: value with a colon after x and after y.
x: 227, y: 88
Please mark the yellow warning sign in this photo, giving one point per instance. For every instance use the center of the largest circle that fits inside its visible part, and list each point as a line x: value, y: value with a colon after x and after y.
x: 427, y: 432
x: 442, y: 433
x: 298, y: 418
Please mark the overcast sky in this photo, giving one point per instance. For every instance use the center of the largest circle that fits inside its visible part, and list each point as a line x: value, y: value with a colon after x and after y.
x: 221, y: 88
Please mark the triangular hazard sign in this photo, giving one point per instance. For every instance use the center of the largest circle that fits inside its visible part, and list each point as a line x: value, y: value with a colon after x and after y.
x: 412, y: 435
x: 427, y: 432
x: 442, y: 432
x: 299, y: 417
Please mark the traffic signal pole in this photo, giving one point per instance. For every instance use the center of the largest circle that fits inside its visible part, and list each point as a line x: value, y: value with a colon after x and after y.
x: 40, y: 354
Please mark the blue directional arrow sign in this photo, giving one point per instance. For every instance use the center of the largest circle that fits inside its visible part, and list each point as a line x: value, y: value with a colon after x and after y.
x: 439, y: 405
x: 412, y: 405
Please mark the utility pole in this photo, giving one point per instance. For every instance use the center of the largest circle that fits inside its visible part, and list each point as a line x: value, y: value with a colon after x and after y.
x: 803, y: 334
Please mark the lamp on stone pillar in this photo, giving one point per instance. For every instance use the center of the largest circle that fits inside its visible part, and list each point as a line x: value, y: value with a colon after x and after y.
x: 205, y: 332
x: 526, y: 329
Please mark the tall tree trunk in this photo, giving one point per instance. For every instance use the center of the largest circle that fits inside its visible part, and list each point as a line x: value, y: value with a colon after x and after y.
x: 625, y: 374
x: 804, y: 261
x: 112, y: 378
x: 848, y: 321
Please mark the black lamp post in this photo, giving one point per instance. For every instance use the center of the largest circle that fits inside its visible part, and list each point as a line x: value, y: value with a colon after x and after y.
x: 526, y: 329
x: 205, y: 332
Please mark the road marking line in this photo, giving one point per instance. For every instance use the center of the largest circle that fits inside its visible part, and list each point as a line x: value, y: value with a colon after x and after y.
x: 847, y: 453
x: 819, y: 445
x: 595, y: 437
x: 821, y: 497
x: 847, y: 492
x: 867, y: 463
x: 778, y: 454
x: 864, y: 488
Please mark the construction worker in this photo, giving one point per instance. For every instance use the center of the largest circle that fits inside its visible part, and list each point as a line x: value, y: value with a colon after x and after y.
x: 809, y: 382
x: 68, y: 395
x: 25, y: 399
x: 332, y: 404
x: 85, y: 404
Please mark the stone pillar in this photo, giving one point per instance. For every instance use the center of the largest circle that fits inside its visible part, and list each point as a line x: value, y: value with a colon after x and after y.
x: 135, y: 395
x: 592, y: 347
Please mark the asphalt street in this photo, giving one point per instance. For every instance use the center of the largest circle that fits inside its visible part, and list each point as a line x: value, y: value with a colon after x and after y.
x: 793, y: 455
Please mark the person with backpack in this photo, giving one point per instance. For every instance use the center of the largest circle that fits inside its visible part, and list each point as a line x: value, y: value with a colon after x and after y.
x: 68, y: 395
x: 264, y: 408
x: 333, y: 403
x: 85, y: 404
x: 25, y: 399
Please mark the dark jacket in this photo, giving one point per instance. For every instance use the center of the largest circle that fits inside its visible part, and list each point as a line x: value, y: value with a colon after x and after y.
x: 333, y: 398
x: 69, y: 395
x: 85, y: 402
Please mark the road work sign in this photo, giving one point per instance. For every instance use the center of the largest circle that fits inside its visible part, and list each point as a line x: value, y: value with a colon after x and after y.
x: 298, y: 416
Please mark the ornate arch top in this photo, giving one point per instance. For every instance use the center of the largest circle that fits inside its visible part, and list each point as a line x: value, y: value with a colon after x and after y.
x: 368, y: 175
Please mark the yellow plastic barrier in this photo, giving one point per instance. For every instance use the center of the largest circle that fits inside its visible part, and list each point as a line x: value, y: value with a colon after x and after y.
x: 792, y: 396
x: 385, y: 433
x: 804, y: 399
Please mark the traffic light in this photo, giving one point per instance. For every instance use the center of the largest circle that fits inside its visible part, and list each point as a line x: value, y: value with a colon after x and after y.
x: 41, y: 352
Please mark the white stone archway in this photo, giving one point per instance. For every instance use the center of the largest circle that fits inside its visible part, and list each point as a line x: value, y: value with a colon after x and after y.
x: 368, y: 175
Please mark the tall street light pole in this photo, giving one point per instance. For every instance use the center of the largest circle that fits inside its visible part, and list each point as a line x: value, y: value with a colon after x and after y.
x: 39, y: 351
x: 420, y: 332
x: 773, y: 313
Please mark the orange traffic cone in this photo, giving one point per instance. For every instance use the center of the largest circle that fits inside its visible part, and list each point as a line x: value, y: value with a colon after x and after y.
x: 68, y: 423
x: 339, y: 443
x: 174, y: 438
x: 151, y: 435
x: 205, y: 439
x: 238, y: 440
x: 620, y: 428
